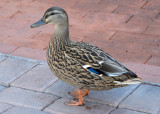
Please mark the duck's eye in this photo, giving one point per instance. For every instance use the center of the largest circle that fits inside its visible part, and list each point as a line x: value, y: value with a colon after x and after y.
x: 51, y: 14
x: 46, y: 16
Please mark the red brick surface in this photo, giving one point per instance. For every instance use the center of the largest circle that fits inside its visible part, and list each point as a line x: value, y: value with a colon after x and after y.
x: 30, y: 53
x: 127, y: 29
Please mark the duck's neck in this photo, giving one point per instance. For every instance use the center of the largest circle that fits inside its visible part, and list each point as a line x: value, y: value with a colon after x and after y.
x: 62, y: 31
x: 60, y: 37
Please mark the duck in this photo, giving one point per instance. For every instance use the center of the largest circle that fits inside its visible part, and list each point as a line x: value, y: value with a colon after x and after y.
x: 81, y: 64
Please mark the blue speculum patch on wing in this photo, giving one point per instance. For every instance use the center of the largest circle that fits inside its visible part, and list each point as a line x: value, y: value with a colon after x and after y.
x: 93, y: 70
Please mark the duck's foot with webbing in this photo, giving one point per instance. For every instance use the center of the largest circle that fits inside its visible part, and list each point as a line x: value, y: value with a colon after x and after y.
x: 75, y: 93
x: 79, y: 97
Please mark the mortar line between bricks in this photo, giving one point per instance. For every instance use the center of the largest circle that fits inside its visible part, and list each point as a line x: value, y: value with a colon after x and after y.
x: 145, y: 30
x: 128, y: 109
x: 112, y: 36
x: 3, y: 59
x: 8, y: 108
x: 148, y: 59
x: 129, y: 94
x: 137, y: 110
x: 35, y: 35
x: 86, y: 14
x: 14, y: 50
x: 50, y: 103
x: 144, y: 5
x: 129, y: 19
x: 27, y: 89
x: 33, y: 91
x: 113, y: 110
x: 115, y: 9
x: 49, y: 86
x: 14, y: 14
x: 23, y: 74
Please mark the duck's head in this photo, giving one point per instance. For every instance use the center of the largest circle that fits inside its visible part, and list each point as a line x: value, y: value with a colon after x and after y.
x: 54, y: 15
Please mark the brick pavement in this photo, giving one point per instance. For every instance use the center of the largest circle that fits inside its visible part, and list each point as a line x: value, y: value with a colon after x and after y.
x: 33, y: 89
x: 108, y: 24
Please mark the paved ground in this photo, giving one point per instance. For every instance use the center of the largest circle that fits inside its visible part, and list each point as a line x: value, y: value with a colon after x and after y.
x: 28, y: 87
x: 127, y: 29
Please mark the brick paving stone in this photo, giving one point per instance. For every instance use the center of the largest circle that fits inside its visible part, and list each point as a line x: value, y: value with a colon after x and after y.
x: 90, y: 35
x: 38, y: 78
x: 102, y: 18
x: 23, y: 110
x: 61, y: 3
x: 15, y: 68
x: 124, y: 56
x: 129, y: 3
x: 76, y: 17
x: 4, y: 48
x: 61, y: 89
x: 146, y: 99
x: 137, y: 39
x: 125, y: 27
x: 8, y: 9
x: 111, y: 97
x: 138, y: 43
x: 107, y: 8
x: 143, y: 69
x: 146, y: 72
x: 38, y: 42
x: 89, y: 108
x: 125, y: 111
x: 141, y: 20
x: 2, y: 57
x: 154, y: 60
x: 152, y: 5
x: 30, y: 53
x: 4, y: 107
x: 152, y: 30
x: 26, y: 98
x: 85, y: 5
x: 135, y: 11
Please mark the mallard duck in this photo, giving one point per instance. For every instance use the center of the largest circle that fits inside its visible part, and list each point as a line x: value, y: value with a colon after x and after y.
x: 81, y: 64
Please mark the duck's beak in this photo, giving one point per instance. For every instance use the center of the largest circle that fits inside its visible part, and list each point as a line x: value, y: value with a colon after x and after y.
x: 39, y: 23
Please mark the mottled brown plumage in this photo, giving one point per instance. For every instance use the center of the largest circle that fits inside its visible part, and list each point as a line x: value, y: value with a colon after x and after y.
x: 81, y: 64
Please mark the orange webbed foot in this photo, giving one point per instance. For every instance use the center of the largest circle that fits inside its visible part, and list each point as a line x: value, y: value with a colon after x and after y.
x: 75, y: 94
x: 79, y: 96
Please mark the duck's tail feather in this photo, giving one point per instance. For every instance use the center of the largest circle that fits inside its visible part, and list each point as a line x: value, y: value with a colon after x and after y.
x: 127, y: 78
x: 129, y: 81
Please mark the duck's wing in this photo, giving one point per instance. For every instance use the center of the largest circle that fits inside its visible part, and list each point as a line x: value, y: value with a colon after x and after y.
x: 95, y: 59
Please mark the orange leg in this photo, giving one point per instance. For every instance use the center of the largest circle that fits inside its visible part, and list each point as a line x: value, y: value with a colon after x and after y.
x: 80, y: 101
x: 75, y: 94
